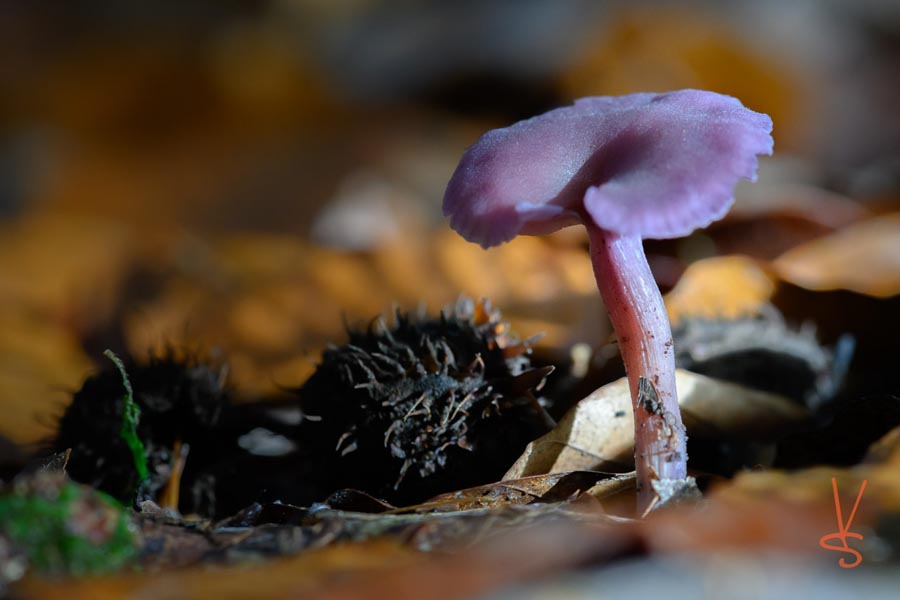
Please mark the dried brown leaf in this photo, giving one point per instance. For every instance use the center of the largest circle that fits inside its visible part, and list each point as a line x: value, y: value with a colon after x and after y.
x: 67, y: 268
x: 285, y: 578
x: 659, y: 48
x: 552, y: 487
x: 863, y: 258
x: 270, y: 301
x: 724, y: 287
x: 39, y: 362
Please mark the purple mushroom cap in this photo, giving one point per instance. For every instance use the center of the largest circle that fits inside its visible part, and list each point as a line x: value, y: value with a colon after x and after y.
x: 628, y: 167
x: 651, y: 165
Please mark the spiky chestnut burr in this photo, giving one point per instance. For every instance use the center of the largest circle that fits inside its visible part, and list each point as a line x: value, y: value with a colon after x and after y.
x: 181, y: 402
x: 424, y: 406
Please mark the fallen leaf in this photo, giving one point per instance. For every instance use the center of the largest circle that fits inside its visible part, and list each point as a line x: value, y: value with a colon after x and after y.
x: 598, y: 433
x: 669, y: 49
x: 886, y: 450
x: 513, y: 559
x: 724, y: 287
x: 790, y: 199
x: 863, y: 258
x: 68, y: 268
x: 551, y: 487
x: 270, y: 302
x: 284, y: 578
x: 791, y: 510
x: 526, y: 269
x: 772, y: 216
x: 39, y: 363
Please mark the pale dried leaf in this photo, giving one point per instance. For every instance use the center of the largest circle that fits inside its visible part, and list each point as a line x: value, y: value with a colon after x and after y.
x: 598, y: 433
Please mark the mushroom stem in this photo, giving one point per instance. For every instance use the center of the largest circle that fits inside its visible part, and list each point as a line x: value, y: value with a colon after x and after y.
x: 639, y: 317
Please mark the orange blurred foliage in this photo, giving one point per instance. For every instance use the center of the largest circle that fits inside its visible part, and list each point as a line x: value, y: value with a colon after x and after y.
x: 667, y: 49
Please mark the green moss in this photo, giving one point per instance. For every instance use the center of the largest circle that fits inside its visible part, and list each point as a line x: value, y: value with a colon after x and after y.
x: 65, y: 528
x: 131, y: 415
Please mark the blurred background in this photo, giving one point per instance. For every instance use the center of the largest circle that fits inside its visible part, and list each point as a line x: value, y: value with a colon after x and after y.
x: 243, y: 178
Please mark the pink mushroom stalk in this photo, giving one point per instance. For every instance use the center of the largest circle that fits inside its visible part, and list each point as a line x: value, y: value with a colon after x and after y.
x: 628, y: 168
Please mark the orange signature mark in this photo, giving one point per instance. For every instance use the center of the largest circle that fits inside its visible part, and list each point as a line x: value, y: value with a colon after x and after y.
x: 843, y: 531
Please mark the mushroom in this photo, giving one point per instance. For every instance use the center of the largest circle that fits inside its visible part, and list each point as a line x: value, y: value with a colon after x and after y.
x: 627, y: 167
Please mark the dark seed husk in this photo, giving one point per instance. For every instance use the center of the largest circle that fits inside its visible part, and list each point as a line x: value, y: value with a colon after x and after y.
x: 180, y: 400
x: 423, y: 406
